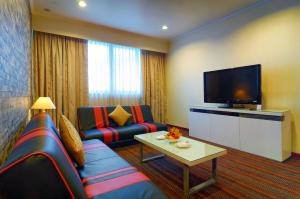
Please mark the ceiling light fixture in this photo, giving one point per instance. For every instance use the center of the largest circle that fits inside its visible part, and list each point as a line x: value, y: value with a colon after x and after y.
x: 82, y: 3
x: 164, y: 27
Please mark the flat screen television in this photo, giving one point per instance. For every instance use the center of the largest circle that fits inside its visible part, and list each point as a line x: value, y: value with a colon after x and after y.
x: 241, y: 85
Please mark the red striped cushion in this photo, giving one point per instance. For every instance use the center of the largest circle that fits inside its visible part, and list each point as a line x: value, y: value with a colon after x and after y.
x: 102, y: 187
x: 137, y: 114
x: 101, y: 117
x: 109, y: 134
x: 107, y: 174
x: 149, y: 127
x: 92, y: 147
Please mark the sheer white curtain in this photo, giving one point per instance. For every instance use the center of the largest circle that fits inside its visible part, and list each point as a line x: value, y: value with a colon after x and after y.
x: 115, y: 74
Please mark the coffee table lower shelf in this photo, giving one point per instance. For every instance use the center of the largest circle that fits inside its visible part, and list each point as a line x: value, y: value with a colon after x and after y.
x: 186, y: 174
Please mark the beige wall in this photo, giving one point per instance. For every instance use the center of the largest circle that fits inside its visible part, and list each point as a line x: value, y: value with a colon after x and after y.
x: 79, y: 29
x: 268, y: 34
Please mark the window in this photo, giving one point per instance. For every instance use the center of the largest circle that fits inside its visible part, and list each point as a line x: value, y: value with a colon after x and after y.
x: 114, y: 70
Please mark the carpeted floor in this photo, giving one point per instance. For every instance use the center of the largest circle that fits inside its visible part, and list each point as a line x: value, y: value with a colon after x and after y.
x: 240, y: 175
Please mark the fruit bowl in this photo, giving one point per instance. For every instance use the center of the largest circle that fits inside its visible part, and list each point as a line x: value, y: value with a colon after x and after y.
x: 171, y: 139
x: 174, y: 135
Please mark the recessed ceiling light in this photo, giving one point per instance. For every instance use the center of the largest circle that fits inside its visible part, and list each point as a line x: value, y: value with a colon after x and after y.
x: 82, y: 3
x: 164, y: 27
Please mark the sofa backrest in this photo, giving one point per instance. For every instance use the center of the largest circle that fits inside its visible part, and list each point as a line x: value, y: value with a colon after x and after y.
x: 39, y: 166
x: 97, y: 116
x: 40, y: 121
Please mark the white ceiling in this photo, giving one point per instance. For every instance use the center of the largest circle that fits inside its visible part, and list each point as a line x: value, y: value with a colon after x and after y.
x: 143, y: 16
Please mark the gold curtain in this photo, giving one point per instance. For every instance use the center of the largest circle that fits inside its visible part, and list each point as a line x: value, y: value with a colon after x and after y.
x: 60, y: 72
x: 154, y: 83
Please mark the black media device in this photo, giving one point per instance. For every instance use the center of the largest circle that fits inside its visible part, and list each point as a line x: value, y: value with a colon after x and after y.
x: 241, y: 85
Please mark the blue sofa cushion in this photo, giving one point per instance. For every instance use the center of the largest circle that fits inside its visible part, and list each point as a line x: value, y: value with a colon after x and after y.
x: 97, y: 117
x: 39, y: 166
x: 115, y: 178
x: 109, y: 135
x: 94, y: 123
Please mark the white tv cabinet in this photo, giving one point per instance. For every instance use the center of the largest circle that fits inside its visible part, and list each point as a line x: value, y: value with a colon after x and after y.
x: 265, y: 132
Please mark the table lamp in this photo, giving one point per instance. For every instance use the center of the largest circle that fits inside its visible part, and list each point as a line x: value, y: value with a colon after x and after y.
x: 43, y: 103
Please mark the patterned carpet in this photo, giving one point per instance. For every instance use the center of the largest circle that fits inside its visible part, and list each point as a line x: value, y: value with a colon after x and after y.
x: 240, y: 175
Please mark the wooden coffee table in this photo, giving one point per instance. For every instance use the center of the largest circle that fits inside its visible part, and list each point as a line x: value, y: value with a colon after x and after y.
x: 199, y: 152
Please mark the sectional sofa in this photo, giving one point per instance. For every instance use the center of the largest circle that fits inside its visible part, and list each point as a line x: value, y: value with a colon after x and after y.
x: 95, y: 123
x: 40, y: 167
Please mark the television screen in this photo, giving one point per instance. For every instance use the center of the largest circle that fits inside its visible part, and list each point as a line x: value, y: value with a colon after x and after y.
x: 233, y: 86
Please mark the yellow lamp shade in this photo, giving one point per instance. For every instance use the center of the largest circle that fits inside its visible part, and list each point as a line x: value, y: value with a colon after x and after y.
x: 43, y: 103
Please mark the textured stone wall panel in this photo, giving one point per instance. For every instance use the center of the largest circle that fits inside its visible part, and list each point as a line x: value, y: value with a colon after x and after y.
x: 15, y: 77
